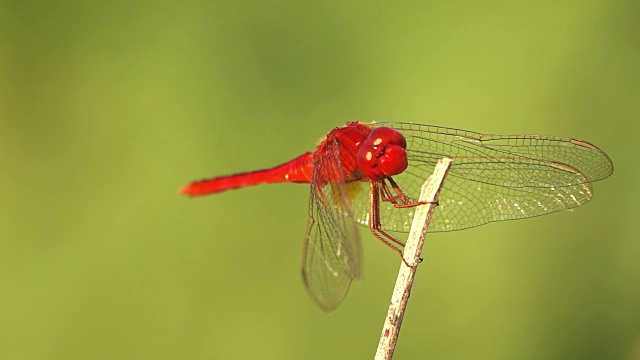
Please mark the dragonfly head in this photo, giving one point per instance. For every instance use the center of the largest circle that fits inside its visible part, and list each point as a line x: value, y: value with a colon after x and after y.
x: 382, y: 154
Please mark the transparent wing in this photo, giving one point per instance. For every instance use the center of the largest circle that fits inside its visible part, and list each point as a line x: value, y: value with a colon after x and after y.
x: 493, y: 177
x: 332, y: 255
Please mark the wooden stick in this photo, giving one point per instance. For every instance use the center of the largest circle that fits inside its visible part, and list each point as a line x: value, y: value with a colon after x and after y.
x: 412, y: 250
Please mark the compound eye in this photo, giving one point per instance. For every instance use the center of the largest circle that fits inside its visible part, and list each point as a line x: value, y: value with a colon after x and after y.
x: 382, y: 154
x: 386, y: 136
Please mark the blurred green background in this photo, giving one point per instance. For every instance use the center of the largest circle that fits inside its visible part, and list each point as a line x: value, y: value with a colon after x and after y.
x: 107, y: 108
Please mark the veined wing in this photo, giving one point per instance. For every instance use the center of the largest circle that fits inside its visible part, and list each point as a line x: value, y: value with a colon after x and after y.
x: 493, y: 177
x: 332, y: 255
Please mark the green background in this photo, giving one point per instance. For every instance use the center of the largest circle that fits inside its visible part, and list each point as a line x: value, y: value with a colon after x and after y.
x: 106, y: 109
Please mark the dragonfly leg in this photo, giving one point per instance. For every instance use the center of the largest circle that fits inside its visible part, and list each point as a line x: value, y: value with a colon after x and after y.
x: 400, y: 195
x: 374, y: 221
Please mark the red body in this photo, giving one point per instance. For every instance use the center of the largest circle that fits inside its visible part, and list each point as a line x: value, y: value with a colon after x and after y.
x: 345, y: 141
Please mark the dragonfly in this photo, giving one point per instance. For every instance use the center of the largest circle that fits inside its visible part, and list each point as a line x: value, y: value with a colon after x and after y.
x: 371, y: 174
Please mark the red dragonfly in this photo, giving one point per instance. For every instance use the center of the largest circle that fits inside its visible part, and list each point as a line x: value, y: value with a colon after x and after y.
x: 493, y: 178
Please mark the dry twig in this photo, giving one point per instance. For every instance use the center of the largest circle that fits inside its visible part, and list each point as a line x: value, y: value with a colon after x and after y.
x: 412, y: 250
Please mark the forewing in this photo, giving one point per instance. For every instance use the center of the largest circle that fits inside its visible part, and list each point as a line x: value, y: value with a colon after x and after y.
x: 332, y: 255
x: 493, y: 177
